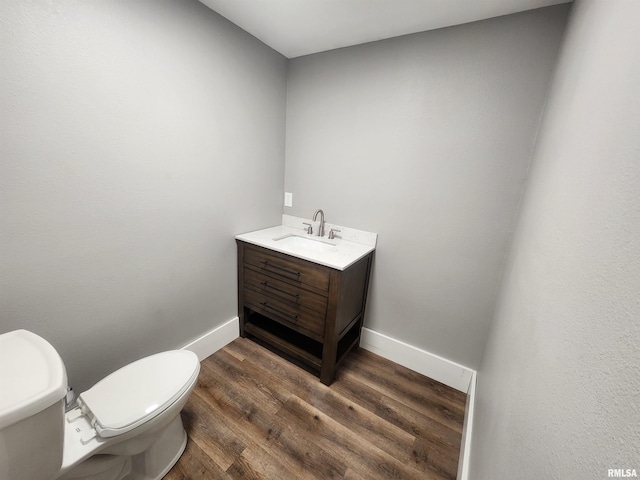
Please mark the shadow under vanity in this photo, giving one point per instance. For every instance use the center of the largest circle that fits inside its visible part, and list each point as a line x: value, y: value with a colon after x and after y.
x: 304, y: 295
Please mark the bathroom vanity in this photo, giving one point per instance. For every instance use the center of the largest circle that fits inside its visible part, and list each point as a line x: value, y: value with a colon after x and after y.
x: 304, y: 296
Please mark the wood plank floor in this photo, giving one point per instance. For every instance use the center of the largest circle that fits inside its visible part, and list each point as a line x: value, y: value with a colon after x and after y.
x: 253, y: 415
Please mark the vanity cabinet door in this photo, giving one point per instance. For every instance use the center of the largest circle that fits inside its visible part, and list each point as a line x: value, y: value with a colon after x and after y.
x: 286, y: 267
x: 290, y: 293
x: 293, y: 316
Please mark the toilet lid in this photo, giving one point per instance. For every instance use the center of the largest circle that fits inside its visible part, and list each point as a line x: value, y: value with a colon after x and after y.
x: 139, y: 391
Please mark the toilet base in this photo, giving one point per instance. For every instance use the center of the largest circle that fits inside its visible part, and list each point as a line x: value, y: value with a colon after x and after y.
x: 155, y: 463
x: 151, y: 464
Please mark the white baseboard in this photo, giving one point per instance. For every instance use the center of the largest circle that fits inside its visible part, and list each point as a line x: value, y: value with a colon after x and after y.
x: 421, y: 361
x: 215, y: 339
x: 465, y: 447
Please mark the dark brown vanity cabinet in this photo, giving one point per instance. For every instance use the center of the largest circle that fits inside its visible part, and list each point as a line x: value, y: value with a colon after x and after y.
x: 306, y: 312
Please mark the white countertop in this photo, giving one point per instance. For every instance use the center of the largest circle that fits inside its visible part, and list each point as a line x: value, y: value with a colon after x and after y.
x: 338, y: 253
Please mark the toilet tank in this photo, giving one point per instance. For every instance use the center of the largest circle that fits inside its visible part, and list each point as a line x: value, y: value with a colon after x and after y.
x: 33, y: 386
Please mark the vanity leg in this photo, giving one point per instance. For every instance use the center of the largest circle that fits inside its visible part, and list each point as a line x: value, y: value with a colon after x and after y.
x: 330, y: 344
x: 243, y: 313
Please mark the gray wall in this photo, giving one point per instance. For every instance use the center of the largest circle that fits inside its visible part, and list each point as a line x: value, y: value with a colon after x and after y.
x: 426, y: 140
x: 559, y: 383
x: 137, y: 138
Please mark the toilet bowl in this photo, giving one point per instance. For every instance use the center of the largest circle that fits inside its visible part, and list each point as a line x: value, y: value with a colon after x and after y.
x: 126, y: 427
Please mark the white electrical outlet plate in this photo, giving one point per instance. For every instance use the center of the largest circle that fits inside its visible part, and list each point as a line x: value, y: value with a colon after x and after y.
x: 288, y: 199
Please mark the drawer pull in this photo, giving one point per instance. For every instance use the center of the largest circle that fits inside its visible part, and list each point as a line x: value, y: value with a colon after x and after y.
x: 286, y: 270
x: 266, y: 285
x: 279, y: 312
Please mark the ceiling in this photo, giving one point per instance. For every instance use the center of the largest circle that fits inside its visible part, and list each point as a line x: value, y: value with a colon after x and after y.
x: 302, y: 27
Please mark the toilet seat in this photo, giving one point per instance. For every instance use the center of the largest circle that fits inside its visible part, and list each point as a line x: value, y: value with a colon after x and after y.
x: 138, y: 392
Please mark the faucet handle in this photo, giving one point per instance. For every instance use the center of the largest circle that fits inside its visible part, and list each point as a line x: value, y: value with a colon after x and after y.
x: 332, y: 233
x: 309, y: 228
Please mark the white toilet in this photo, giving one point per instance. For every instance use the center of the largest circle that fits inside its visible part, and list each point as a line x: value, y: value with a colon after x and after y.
x: 126, y: 427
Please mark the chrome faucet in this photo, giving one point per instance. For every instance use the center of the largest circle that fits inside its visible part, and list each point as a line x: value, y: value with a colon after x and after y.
x: 321, y: 227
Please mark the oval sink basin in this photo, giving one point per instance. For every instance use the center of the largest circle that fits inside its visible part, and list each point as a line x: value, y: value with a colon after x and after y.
x: 306, y: 243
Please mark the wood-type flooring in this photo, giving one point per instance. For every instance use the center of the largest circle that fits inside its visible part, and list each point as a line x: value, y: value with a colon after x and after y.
x: 254, y: 415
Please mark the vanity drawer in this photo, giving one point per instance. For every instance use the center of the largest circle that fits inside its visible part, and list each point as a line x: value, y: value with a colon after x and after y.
x: 270, y: 286
x: 287, y: 267
x: 309, y: 323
